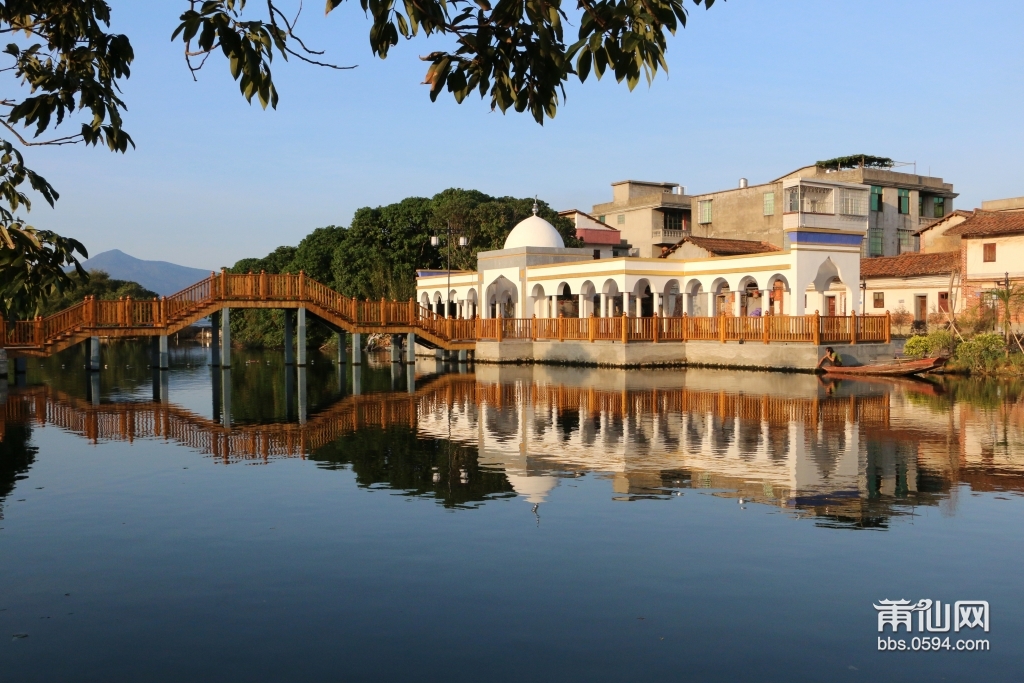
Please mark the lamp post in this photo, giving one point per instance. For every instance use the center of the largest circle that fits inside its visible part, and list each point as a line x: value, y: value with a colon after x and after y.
x: 435, y: 241
x: 863, y: 296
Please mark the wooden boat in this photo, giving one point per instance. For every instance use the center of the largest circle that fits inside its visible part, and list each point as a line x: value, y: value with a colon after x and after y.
x: 895, y: 368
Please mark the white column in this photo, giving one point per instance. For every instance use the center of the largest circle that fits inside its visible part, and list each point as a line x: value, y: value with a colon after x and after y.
x: 582, y: 306
x: 552, y: 306
x: 604, y: 305
x: 625, y: 304
x: 659, y: 304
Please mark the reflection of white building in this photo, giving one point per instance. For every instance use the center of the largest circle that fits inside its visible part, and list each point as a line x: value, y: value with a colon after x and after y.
x: 536, y: 275
x: 539, y: 425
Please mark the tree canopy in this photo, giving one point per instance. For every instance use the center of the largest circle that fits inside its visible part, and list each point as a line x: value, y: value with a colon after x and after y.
x: 855, y: 161
x: 378, y: 255
x: 68, y: 68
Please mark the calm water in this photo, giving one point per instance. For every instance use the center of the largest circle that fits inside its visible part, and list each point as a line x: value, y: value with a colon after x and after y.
x: 498, y: 524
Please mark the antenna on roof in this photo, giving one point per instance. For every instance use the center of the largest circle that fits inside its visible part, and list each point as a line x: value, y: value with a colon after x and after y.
x: 534, y: 205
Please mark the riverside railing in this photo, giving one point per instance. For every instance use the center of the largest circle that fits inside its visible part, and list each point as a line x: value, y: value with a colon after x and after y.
x: 266, y: 290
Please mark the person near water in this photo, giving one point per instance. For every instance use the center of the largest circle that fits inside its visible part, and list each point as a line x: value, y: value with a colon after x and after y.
x: 830, y: 357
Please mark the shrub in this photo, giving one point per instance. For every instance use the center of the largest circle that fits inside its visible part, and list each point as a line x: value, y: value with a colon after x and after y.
x: 981, y: 353
x: 900, y: 318
x: 934, y: 344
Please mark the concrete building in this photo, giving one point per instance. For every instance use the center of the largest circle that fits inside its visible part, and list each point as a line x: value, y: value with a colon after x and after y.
x: 899, y: 205
x: 991, y: 251
x: 602, y: 239
x: 921, y: 284
x: 649, y: 215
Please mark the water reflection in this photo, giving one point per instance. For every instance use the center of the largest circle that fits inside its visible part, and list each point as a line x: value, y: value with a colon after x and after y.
x: 852, y: 454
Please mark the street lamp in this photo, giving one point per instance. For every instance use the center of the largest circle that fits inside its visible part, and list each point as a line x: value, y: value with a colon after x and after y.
x: 435, y: 241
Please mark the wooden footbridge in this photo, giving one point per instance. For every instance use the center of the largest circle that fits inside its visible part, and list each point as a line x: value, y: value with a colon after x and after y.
x: 165, y: 316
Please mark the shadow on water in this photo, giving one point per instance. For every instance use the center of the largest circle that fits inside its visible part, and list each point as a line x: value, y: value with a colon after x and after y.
x: 851, y: 454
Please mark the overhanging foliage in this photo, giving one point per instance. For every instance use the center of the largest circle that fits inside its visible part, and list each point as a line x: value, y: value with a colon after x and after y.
x: 855, y: 161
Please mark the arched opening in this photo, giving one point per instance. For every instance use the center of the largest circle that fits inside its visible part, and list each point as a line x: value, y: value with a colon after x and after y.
x: 539, y: 302
x: 425, y: 301
x: 502, y: 299
x: 471, y: 304
x: 438, y: 303
x: 723, y: 297
x: 778, y: 294
x: 750, y: 297
x: 642, y: 304
x: 831, y: 290
x: 590, y: 301
x: 453, y: 304
x: 611, y: 300
x: 696, y: 299
x: 565, y: 303
x: 672, y: 301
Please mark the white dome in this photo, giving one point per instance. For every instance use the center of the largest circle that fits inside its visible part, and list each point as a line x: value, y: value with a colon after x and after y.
x: 534, y: 232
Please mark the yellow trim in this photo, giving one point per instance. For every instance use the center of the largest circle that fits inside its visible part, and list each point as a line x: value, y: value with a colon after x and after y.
x: 834, y: 231
x: 669, y: 273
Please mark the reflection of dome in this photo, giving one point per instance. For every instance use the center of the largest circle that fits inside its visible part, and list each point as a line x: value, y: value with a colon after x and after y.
x: 534, y: 232
x: 534, y: 488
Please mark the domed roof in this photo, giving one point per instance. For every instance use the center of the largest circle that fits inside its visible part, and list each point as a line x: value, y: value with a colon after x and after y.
x: 534, y: 232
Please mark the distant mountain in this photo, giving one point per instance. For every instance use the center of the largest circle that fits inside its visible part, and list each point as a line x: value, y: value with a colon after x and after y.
x: 160, y: 276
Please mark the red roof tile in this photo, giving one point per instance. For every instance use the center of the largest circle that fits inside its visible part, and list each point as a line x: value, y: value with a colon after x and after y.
x: 990, y: 223
x: 723, y: 247
x: 910, y: 265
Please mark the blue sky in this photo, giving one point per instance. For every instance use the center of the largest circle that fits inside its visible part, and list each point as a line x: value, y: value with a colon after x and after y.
x: 755, y: 89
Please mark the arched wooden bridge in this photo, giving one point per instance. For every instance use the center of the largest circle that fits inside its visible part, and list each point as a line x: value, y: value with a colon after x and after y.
x: 168, y: 315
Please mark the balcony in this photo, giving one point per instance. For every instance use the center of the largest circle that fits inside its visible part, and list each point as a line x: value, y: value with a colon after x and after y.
x: 666, y: 237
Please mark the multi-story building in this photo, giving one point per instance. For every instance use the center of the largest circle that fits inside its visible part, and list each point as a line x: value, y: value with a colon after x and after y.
x: 900, y: 204
x: 648, y: 215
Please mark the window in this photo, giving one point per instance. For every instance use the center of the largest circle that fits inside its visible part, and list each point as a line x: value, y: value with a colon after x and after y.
x: 876, y: 198
x: 674, y: 220
x: 990, y: 252
x: 938, y: 207
x: 601, y: 218
x: 853, y: 202
x: 621, y: 219
x: 908, y: 241
x: 904, y: 201
x: 879, y: 300
x: 920, y: 205
x: 704, y: 211
x: 944, y: 302
x: 875, y: 242
x: 597, y: 254
x: 793, y: 200
x: 769, y: 203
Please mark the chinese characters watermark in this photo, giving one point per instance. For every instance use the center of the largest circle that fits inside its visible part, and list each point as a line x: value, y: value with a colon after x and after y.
x: 933, y: 617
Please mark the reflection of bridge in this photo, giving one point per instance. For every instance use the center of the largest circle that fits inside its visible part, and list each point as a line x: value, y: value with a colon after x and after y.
x: 168, y: 315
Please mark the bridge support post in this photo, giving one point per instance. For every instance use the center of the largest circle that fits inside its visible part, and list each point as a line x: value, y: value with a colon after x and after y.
x: 215, y: 340
x: 289, y: 394
x: 289, y: 339
x: 302, y: 394
x: 357, y: 380
x: 163, y: 353
x: 463, y: 356
x: 396, y: 349
x: 93, y: 388
x: 225, y: 338
x: 357, y: 349
x: 93, y: 348
x: 410, y: 348
x: 396, y: 374
x: 342, y: 348
x: 301, y: 336
x: 226, y: 400
x: 410, y: 379
x: 161, y: 386
x: 218, y: 395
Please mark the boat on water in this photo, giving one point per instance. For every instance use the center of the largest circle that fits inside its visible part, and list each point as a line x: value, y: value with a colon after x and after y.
x: 898, y: 367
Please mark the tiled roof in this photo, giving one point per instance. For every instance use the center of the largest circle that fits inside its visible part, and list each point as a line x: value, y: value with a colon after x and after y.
x: 955, y: 213
x: 990, y: 223
x: 724, y: 247
x: 910, y: 265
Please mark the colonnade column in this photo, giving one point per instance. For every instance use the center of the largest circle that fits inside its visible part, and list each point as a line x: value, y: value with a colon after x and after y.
x: 582, y: 307
x: 301, y: 341
x: 625, y: 304
x: 604, y: 305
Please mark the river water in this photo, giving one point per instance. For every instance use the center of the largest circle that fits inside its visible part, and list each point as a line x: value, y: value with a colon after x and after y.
x: 504, y: 523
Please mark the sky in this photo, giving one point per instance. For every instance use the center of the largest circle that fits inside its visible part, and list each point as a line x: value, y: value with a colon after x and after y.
x: 755, y: 89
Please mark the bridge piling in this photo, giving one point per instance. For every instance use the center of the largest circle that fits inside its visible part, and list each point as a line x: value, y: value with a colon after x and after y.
x: 357, y: 349
x: 226, y: 397
x: 302, y: 393
x: 217, y: 395
x: 410, y: 348
x: 357, y: 380
x: 396, y: 349
x: 215, y: 340
x: 342, y: 349
x: 225, y: 338
x: 289, y: 339
x: 93, y: 351
x: 301, y: 340
x: 289, y: 394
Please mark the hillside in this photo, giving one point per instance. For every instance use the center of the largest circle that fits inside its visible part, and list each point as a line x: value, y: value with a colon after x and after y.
x: 160, y: 276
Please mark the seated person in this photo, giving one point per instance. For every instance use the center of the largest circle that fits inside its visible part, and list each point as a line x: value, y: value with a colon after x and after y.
x: 830, y: 357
